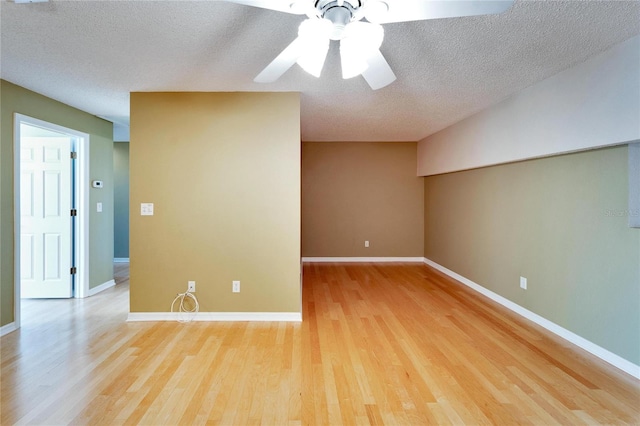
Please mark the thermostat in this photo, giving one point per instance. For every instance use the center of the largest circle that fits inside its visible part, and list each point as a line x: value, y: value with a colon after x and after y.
x: 97, y: 184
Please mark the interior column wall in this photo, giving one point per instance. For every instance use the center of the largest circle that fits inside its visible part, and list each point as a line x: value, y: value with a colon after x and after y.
x: 223, y: 173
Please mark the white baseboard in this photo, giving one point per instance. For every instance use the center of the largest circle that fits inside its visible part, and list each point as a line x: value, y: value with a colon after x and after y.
x: 216, y: 316
x: 102, y: 287
x: 120, y: 260
x: 602, y: 353
x: 8, y: 328
x: 363, y: 259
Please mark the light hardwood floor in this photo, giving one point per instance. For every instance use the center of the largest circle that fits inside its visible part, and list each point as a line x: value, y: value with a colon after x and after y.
x: 379, y: 344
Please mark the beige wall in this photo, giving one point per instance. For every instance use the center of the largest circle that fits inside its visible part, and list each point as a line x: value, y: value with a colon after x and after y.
x: 594, y: 104
x: 16, y: 99
x: 223, y: 170
x: 352, y: 192
x: 561, y: 223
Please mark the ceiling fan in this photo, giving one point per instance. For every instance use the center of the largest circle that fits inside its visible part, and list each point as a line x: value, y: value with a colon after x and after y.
x: 357, y: 25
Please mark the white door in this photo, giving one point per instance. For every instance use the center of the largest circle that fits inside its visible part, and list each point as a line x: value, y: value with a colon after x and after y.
x: 45, y: 217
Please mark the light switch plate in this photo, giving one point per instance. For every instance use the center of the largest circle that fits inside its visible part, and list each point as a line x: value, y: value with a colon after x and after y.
x: 146, y: 209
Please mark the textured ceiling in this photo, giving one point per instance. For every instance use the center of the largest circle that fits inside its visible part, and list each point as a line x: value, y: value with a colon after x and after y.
x: 91, y: 54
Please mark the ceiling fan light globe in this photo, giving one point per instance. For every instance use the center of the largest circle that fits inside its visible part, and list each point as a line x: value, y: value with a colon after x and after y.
x: 314, y: 36
x: 315, y: 29
x: 312, y: 61
x: 356, y: 47
x: 352, y: 59
x: 375, y: 11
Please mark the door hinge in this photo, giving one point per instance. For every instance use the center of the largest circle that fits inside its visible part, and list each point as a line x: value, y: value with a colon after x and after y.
x: 74, y: 155
x: 73, y: 270
x: 74, y: 212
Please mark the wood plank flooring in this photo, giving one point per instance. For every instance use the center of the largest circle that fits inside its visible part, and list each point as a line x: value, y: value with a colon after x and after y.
x: 379, y: 344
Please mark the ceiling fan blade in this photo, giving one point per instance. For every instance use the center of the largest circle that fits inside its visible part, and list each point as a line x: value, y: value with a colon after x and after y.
x: 288, y: 6
x: 383, y: 12
x: 379, y: 74
x: 282, y: 62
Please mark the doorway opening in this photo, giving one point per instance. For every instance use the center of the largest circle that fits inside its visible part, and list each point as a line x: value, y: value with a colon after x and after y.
x: 51, y: 208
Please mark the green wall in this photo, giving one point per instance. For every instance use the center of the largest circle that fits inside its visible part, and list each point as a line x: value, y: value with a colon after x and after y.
x: 549, y: 220
x: 15, y: 99
x: 121, y: 200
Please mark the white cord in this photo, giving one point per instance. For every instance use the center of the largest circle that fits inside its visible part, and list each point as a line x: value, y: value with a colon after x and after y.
x: 183, y: 308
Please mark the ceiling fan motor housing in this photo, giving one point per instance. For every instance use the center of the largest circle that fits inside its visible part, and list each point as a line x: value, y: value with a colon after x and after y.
x: 340, y: 13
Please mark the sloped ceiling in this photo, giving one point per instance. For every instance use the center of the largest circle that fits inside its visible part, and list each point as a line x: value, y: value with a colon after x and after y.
x: 92, y: 54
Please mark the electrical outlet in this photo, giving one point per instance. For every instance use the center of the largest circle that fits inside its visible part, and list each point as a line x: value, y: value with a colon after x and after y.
x: 236, y: 287
x: 366, y: 243
x: 523, y: 283
x: 191, y: 286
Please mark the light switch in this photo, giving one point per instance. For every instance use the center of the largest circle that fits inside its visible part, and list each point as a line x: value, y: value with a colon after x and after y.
x: 146, y: 209
x: 99, y: 207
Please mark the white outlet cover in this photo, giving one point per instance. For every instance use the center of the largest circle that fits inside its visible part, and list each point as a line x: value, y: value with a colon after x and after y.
x: 236, y: 287
x: 523, y: 283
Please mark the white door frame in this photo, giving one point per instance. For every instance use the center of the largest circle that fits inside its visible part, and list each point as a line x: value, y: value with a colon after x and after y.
x: 81, y: 289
